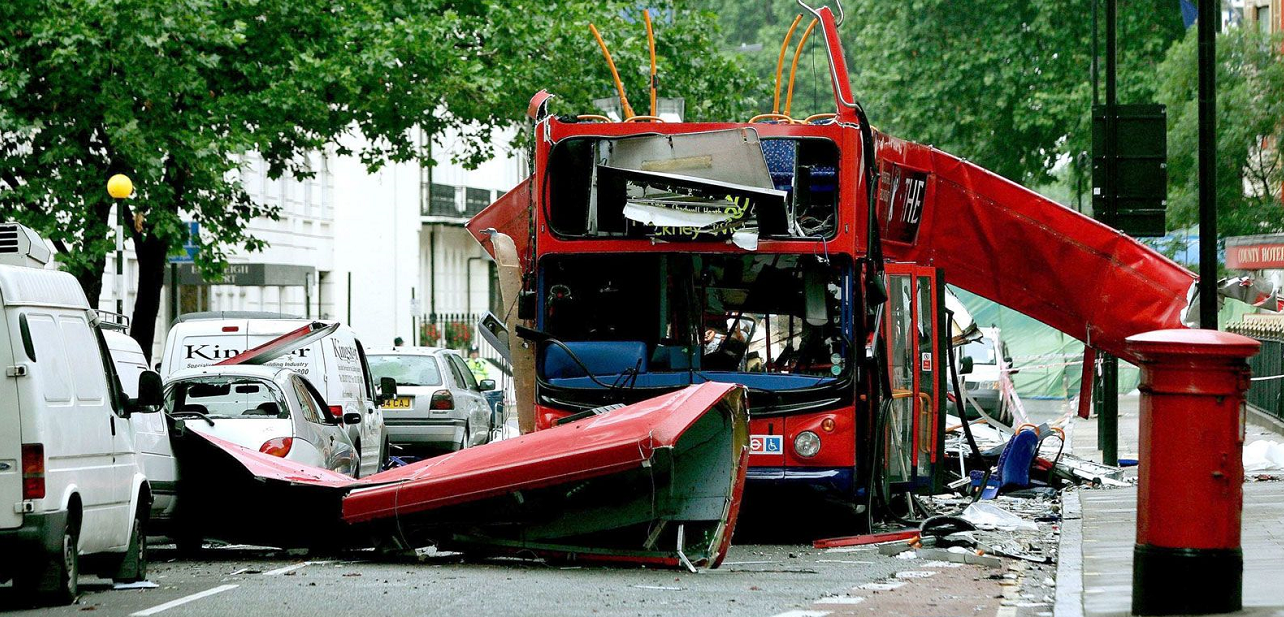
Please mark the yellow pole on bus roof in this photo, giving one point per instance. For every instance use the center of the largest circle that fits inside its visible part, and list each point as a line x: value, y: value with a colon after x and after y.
x: 650, y: 39
x: 780, y: 62
x: 793, y: 69
x: 619, y: 86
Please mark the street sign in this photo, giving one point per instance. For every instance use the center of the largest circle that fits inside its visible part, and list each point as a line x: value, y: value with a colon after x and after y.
x: 191, y: 246
x: 1140, y: 184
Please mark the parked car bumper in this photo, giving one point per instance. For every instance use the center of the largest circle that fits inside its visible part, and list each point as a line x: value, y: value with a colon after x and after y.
x: 425, y: 432
x: 37, y: 540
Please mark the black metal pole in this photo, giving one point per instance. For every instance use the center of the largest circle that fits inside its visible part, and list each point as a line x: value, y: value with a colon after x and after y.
x: 1108, y: 415
x: 1208, y: 22
x: 173, y: 292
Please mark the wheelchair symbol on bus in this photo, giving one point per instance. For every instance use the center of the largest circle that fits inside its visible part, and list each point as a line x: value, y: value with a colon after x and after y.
x: 766, y: 444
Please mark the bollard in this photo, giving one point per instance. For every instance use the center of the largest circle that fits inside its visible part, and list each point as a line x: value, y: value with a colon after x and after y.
x: 1187, y: 560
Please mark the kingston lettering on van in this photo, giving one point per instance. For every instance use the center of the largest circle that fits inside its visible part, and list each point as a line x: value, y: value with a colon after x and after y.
x: 213, y: 352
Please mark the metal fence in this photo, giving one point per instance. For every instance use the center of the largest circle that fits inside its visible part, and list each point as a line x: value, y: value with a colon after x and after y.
x: 458, y: 331
x: 1268, y: 394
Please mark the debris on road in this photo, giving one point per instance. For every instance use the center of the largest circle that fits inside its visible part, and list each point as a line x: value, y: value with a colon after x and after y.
x: 871, y: 538
x: 1262, y: 456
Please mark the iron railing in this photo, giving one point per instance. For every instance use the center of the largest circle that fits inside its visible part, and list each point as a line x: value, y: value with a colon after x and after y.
x: 1265, y: 393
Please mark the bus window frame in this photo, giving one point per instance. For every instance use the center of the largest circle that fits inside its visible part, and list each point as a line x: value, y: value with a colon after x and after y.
x: 548, y: 197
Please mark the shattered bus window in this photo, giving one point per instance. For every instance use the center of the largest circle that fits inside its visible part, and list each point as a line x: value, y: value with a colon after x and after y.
x: 718, y: 185
x: 771, y: 322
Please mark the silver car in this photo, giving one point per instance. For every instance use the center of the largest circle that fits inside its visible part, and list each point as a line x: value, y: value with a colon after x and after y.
x: 439, y: 404
x: 266, y: 408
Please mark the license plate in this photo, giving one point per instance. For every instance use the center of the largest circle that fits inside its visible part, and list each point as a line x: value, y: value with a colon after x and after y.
x: 401, y: 402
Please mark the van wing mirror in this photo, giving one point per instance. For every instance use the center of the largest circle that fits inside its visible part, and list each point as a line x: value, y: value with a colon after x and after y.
x: 352, y: 417
x: 387, y: 389
x: 151, y: 393
x: 486, y: 385
x: 965, y: 365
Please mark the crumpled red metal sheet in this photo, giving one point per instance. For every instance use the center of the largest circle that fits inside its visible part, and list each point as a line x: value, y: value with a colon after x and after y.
x: 616, y: 487
x: 510, y: 215
x: 622, y: 439
x: 1007, y: 243
x: 268, y: 467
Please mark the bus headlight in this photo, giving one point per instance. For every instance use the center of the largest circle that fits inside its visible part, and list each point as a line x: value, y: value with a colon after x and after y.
x: 807, y: 444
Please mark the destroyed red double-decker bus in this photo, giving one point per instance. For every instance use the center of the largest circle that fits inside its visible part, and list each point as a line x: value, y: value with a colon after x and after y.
x: 802, y: 258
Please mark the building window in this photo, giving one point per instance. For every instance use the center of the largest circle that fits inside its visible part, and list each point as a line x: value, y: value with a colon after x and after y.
x: 475, y: 200
x: 1263, y: 16
x: 441, y: 200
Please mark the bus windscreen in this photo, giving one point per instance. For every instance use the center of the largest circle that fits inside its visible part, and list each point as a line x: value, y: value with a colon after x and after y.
x: 769, y: 322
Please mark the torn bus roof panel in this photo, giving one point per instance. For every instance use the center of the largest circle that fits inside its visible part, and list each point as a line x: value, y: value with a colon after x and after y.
x: 655, y: 482
x: 236, y: 494
x: 284, y: 344
x: 1009, y: 244
x: 511, y: 215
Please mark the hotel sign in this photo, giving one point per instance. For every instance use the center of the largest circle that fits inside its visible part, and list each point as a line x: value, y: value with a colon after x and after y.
x: 1260, y: 253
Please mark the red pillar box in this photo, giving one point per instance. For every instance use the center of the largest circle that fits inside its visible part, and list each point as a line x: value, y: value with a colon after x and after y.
x: 1187, y: 559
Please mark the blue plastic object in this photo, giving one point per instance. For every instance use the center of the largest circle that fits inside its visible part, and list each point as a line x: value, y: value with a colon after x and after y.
x: 1013, y: 468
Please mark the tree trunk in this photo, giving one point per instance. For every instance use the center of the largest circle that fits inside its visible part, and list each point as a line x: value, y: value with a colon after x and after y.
x: 90, y: 271
x: 152, y: 253
x: 91, y: 278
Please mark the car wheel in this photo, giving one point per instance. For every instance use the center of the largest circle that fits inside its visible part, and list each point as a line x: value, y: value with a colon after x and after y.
x: 133, y: 567
x: 58, y: 583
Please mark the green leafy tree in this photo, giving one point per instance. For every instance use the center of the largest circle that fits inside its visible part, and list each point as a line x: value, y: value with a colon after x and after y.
x: 173, y: 93
x: 1250, y: 106
x: 1005, y: 83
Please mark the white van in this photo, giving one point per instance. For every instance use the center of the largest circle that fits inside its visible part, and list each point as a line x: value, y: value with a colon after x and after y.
x: 336, y: 366
x: 70, y: 483
x: 151, y: 433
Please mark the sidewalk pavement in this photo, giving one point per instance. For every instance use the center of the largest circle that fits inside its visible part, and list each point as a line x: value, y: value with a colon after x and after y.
x: 1094, y: 575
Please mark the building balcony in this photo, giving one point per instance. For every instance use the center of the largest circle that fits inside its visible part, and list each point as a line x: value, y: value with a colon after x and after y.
x: 446, y: 203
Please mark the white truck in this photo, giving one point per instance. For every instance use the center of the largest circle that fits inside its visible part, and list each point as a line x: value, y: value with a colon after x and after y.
x: 71, y: 485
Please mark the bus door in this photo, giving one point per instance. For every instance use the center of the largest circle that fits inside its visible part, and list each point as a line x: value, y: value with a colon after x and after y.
x: 913, y: 428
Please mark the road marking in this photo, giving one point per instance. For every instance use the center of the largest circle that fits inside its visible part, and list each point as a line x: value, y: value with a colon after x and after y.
x: 290, y: 568
x: 888, y: 586
x: 183, y: 600
x: 915, y: 574
x: 802, y: 614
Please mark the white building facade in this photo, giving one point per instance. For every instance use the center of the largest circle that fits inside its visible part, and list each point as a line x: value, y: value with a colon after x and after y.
x: 385, y: 252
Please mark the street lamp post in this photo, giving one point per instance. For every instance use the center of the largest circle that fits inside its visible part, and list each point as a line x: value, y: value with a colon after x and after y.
x: 120, y: 187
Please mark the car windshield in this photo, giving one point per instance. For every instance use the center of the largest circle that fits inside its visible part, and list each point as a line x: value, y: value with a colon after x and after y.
x: 981, y: 351
x: 227, y: 397
x: 406, y: 369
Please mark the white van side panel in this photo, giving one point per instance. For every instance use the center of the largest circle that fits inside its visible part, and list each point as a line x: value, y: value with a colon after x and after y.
x: 72, y: 417
x: 151, y: 435
x: 10, y: 425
